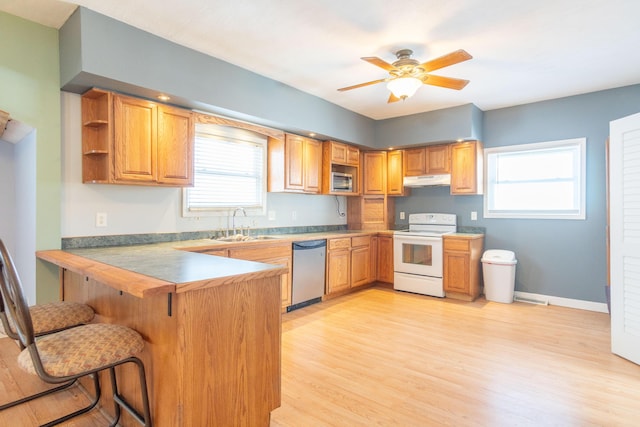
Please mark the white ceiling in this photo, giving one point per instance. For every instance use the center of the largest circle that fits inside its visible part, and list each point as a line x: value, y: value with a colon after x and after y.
x: 524, y: 51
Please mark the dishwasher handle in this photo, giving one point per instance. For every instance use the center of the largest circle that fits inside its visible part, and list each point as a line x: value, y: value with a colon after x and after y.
x: 309, y: 244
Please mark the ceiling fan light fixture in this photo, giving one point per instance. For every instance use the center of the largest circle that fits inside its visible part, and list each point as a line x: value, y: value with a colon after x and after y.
x: 404, y: 87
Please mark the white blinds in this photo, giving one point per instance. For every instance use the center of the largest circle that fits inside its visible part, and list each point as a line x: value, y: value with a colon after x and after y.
x: 229, y: 169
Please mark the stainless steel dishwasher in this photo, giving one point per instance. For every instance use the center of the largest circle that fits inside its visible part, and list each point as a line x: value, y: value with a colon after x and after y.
x: 309, y: 259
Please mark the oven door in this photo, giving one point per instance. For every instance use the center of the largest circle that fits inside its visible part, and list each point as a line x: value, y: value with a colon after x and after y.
x: 417, y: 255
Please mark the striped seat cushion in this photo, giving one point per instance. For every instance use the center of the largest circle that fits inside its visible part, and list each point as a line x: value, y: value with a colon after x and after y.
x: 83, y: 349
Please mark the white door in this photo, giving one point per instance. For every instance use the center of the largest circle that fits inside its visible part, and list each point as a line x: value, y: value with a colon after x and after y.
x: 624, y: 211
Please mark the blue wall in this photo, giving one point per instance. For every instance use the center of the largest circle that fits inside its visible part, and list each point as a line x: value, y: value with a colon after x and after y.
x: 564, y: 258
x: 96, y: 50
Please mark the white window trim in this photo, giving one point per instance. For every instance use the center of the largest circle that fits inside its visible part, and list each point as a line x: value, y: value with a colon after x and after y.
x: 235, y: 133
x: 581, y: 143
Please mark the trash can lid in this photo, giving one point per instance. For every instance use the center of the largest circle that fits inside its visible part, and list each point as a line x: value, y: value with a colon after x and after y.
x: 499, y: 256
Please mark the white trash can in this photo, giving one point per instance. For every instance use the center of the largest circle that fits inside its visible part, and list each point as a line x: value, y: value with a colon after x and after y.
x: 499, y: 270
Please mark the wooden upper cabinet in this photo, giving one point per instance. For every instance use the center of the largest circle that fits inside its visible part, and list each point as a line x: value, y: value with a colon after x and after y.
x: 312, y: 165
x: 294, y: 162
x: 135, y: 139
x: 415, y: 161
x: 301, y: 159
x: 431, y: 160
x: 176, y: 132
x: 128, y: 140
x: 466, y: 168
x: 344, y: 154
x: 395, y: 174
x: 340, y: 158
x: 438, y: 159
x: 375, y: 172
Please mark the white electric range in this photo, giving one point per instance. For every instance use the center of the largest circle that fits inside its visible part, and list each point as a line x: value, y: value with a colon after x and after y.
x: 417, y: 253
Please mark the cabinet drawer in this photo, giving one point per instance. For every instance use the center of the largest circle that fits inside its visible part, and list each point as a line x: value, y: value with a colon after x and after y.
x: 360, y: 241
x: 344, y: 243
x: 456, y: 245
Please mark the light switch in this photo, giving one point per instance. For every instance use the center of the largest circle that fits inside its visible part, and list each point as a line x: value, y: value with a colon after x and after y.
x: 474, y: 216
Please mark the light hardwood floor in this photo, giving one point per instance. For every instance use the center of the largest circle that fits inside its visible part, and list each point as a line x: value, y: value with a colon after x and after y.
x: 385, y: 358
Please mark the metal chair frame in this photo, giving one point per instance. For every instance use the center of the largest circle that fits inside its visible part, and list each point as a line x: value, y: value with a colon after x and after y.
x: 11, y: 290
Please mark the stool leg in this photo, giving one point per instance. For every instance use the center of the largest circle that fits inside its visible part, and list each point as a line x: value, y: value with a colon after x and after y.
x: 94, y: 402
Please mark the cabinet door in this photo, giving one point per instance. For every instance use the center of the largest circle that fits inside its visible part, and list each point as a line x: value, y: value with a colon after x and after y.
x: 175, y: 146
x: 338, y: 270
x: 438, y: 160
x: 312, y: 165
x: 385, y: 259
x: 375, y: 172
x: 360, y: 266
x: 353, y: 156
x: 294, y: 162
x: 373, y: 263
x: 466, y: 168
x: 415, y: 161
x: 338, y: 153
x: 456, y: 272
x: 135, y: 139
x: 394, y: 173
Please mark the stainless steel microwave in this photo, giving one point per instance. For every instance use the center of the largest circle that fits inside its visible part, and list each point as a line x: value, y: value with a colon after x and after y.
x: 341, y: 182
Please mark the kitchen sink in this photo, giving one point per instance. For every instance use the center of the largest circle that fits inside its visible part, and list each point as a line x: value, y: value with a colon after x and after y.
x: 243, y: 238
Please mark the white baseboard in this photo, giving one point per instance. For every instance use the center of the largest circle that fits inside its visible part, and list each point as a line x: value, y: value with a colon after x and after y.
x: 565, y: 302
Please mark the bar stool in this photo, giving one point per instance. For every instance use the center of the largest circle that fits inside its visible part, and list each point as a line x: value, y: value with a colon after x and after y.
x: 47, y: 318
x: 65, y: 356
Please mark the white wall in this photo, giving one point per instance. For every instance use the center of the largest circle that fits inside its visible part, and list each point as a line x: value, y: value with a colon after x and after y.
x: 17, y: 208
x: 26, y: 209
x: 8, y: 195
x: 140, y: 209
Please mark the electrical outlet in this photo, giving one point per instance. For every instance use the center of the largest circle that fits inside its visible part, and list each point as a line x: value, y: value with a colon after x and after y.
x: 294, y: 215
x: 474, y: 216
x: 401, y: 215
x: 101, y: 219
x: 272, y: 215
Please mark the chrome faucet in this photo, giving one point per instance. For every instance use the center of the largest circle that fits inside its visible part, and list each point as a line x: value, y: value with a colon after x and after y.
x: 233, y: 220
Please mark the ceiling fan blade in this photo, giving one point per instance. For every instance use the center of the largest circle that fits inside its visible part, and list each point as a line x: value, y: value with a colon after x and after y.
x: 379, y: 62
x: 448, y: 82
x: 392, y: 98
x: 446, y: 60
x: 361, y: 85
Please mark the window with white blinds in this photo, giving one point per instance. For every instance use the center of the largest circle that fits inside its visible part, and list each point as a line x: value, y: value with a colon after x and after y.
x: 543, y: 180
x: 230, y: 169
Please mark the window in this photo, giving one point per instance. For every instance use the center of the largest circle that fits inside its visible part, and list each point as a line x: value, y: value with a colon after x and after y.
x: 229, y: 172
x: 544, y: 180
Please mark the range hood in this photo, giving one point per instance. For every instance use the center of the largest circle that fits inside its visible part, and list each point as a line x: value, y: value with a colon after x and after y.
x: 426, y: 180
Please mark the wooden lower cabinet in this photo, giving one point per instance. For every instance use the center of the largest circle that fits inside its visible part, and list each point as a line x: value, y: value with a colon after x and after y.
x: 461, y: 260
x: 338, y: 266
x: 361, y: 261
x: 385, y: 259
x: 211, y: 355
x: 348, y: 263
x: 279, y: 254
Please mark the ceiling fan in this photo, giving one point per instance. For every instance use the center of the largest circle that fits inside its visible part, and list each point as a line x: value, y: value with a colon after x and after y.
x: 406, y: 75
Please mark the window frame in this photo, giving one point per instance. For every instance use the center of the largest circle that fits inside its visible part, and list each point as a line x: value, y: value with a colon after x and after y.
x: 242, y: 136
x: 579, y: 213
